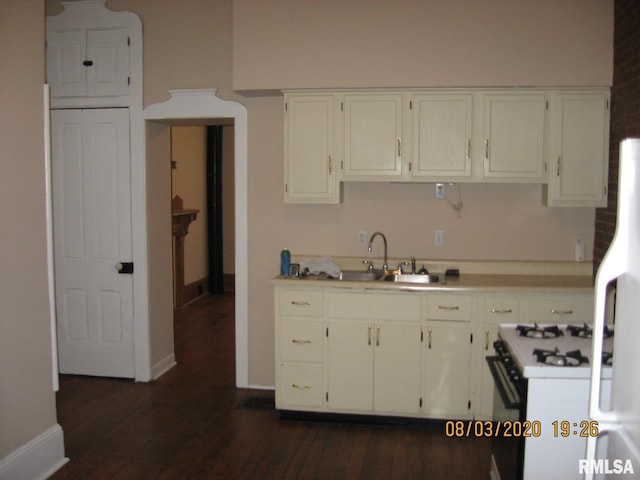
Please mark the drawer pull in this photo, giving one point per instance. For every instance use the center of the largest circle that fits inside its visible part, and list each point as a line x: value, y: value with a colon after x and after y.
x: 429, y: 340
x: 299, y: 341
x: 486, y: 339
x: 448, y: 307
x: 561, y: 312
x: 378, y: 336
x: 369, y: 335
x: 301, y: 387
x: 501, y: 310
x: 295, y: 302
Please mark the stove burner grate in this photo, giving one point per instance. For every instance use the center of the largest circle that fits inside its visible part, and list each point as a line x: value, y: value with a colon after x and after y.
x: 537, y: 331
x: 585, y: 331
x: 573, y: 358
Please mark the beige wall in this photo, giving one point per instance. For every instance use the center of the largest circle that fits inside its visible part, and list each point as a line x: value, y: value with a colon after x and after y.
x: 408, y: 43
x: 27, y: 401
x: 288, y: 43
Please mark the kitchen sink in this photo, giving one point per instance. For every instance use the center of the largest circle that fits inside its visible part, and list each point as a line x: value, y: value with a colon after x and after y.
x: 360, y: 276
x: 415, y: 278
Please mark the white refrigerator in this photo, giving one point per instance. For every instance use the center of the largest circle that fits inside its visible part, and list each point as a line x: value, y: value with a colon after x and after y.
x: 621, y: 423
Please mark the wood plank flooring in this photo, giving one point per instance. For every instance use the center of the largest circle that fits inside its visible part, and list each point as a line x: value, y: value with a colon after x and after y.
x: 192, y: 423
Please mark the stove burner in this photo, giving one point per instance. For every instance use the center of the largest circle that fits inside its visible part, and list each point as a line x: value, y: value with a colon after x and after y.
x: 573, y: 358
x: 607, y: 358
x: 539, y: 332
x: 586, y: 331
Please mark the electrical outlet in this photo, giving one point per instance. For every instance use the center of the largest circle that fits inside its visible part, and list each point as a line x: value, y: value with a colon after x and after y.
x: 438, y: 238
x: 362, y: 238
x: 440, y: 191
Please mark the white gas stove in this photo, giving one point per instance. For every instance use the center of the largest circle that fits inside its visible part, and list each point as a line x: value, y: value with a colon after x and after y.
x: 542, y: 375
x: 523, y: 341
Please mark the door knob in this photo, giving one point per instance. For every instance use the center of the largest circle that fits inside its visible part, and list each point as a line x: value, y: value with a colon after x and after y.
x: 124, y: 267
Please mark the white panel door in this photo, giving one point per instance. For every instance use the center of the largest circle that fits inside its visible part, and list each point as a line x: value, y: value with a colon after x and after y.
x: 92, y: 235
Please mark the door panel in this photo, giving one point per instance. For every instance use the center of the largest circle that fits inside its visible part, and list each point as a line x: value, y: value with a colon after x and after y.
x: 92, y: 234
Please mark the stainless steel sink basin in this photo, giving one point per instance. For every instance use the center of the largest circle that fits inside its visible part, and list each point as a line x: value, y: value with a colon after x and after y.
x: 416, y: 278
x: 360, y: 276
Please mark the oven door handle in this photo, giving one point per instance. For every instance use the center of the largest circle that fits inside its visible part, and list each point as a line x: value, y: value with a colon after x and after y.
x: 508, y: 393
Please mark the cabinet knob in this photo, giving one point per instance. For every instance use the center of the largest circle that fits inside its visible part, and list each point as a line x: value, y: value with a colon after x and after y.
x: 87, y: 63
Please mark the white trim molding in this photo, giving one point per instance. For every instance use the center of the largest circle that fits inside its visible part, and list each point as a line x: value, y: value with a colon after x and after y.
x: 37, y: 459
x: 199, y: 105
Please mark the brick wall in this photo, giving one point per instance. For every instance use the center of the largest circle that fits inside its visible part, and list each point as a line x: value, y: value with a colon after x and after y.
x: 625, y: 111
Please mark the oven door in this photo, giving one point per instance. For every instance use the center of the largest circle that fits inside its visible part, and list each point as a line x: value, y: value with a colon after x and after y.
x: 509, y: 404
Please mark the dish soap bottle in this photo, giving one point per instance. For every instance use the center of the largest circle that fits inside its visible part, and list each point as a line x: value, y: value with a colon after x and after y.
x: 285, y: 261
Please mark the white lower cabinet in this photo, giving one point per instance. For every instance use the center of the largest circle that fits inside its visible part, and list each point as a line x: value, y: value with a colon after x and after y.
x: 374, y: 367
x: 411, y: 354
x: 447, y: 357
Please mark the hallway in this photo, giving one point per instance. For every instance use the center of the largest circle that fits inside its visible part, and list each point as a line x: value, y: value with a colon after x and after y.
x: 192, y: 423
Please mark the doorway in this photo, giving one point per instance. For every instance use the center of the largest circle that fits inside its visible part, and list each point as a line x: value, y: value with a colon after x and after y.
x: 202, y: 192
x: 202, y: 106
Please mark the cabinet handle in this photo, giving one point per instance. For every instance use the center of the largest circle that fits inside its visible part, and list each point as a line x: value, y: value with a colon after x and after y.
x: 561, y: 312
x: 501, y: 310
x: 369, y: 335
x: 448, y: 307
x: 558, y: 166
x: 399, y: 148
x: 486, y: 339
x: 299, y: 341
x: 468, y: 148
x: 301, y: 387
x: 378, y: 336
x: 295, y: 302
x: 330, y: 164
x: 429, y: 339
x: 486, y: 149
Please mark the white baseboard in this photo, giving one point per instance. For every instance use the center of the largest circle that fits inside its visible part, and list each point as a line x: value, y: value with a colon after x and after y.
x: 37, y: 459
x: 163, y: 366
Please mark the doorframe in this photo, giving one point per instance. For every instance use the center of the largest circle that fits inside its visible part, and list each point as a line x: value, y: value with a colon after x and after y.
x: 202, y: 105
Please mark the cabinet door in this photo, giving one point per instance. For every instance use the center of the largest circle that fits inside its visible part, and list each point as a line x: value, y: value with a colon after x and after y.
x: 446, y: 370
x: 397, y: 368
x: 109, y: 52
x: 350, y: 366
x: 310, y: 170
x: 514, y: 137
x: 579, y: 150
x: 66, y: 74
x: 372, y: 135
x: 489, y: 335
x: 441, y: 135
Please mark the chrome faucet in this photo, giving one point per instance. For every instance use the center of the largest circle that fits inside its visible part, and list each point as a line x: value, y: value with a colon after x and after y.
x: 385, y: 266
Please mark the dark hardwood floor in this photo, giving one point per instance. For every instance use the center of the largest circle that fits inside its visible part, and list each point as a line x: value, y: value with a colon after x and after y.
x: 192, y: 423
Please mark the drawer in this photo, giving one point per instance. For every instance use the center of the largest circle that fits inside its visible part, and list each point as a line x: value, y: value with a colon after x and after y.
x: 375, y: 306
x: 305, y: 303
x: 560, y: 309
x: 448, y: 306
x: 500, y: 310
x: 300, y: 386
x: 301, y: 341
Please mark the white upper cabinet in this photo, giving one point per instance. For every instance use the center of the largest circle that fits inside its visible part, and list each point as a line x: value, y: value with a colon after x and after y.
x: 513, y: 141
x: 579, y: 152
x: 94, y: 56
x: 372, y: 126
x: 441, y: 139
x: 310, y: 167
x: 88, y: 63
